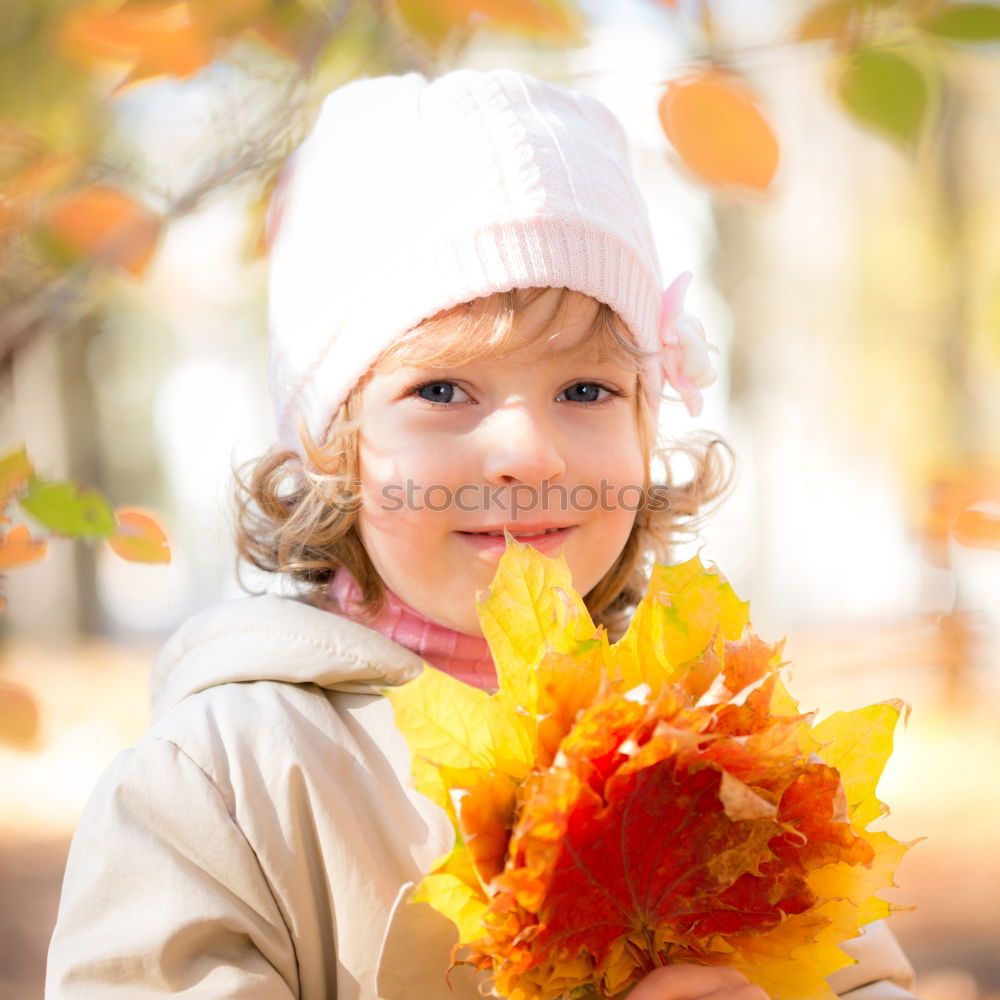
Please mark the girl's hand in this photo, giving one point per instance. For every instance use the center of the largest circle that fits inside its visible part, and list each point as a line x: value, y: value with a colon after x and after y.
x: 696, y: 982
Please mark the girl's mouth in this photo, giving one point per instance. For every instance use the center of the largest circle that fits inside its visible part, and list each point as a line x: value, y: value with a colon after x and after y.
x: 545, y: 539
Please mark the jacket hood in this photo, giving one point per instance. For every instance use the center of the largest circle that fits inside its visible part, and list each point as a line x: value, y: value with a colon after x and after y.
x: 278, y: 639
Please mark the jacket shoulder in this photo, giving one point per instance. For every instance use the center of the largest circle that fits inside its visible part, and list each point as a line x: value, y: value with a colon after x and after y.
x: 279, y: 639
x: 248, y: 737
x: 156, y: 828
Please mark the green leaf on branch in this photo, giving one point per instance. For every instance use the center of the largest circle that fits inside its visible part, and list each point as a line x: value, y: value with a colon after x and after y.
x: 65, y: 509
x: 965, y: 22
x: 886, y: 92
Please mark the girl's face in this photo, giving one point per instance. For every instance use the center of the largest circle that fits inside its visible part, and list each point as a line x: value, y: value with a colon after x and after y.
x: 544, y: 443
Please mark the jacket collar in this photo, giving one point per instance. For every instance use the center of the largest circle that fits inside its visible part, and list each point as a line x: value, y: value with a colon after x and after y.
x: 280, y: 639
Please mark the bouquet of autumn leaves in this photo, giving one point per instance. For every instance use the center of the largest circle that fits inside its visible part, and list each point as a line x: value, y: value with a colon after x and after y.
x: 661, y: 799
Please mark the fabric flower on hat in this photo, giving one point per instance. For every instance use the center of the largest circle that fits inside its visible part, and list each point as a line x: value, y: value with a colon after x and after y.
x: 685, y: 350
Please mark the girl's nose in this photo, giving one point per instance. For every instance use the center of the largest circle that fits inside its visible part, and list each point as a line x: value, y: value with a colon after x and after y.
x: 521, y: 446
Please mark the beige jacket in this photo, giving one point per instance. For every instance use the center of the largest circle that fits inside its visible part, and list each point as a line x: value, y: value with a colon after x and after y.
x: 255, y: 843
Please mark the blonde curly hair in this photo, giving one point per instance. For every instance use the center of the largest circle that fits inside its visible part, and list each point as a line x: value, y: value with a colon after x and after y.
x: 296, y: 514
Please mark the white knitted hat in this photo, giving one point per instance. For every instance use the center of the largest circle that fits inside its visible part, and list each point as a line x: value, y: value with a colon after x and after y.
x: 411, y: 196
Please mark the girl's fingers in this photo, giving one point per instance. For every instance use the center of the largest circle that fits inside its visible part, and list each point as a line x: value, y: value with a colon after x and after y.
x: 696, y: 982
x: 749, y: 991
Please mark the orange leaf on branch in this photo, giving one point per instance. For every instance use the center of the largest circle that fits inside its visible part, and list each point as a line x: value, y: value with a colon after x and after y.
x: 152, y: 38
x: 18, y: 714
x: 139, y: 538
x: 717, y: 126
x: 977, y: 529
x: 17, y: 548
x: 107, y: 226
x: 950, y: 510
x: 558, y: 21
x: 30, y: 170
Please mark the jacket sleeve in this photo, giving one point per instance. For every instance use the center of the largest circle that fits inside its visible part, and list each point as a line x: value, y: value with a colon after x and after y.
x: 881, y: 970
x: 163, y: 895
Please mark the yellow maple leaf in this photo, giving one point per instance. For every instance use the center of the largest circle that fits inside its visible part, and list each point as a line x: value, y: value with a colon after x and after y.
x: 859, y: 744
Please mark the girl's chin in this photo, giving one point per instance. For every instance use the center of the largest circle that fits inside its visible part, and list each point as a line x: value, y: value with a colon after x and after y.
x: 460, y: 623
x: 453, y: 616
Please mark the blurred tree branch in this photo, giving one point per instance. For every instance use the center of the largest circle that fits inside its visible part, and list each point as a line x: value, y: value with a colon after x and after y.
x: 74, y: 41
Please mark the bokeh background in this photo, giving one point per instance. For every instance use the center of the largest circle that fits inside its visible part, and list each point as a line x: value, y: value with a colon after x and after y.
x: 835, y: 195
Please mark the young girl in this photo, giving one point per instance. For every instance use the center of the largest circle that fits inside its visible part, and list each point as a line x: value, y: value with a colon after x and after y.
x: 468, y: 334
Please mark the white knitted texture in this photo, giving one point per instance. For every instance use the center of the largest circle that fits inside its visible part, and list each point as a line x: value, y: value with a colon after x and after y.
x: 411, y: 196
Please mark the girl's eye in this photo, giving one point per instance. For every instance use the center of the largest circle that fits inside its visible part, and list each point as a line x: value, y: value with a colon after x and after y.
x: 585, y: 392
x: 441, y: 392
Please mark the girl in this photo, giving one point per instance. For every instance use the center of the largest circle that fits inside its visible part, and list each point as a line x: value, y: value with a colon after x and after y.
x: 468, y: 335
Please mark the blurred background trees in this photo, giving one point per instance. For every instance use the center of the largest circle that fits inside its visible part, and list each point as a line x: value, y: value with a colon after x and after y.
x: 119, y: 122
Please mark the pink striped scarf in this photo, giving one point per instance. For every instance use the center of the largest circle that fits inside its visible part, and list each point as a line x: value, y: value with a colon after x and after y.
x: 465, y: 657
